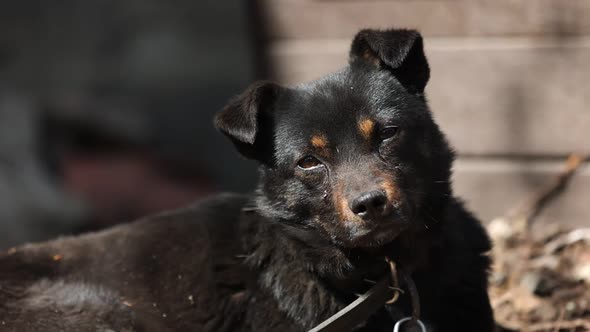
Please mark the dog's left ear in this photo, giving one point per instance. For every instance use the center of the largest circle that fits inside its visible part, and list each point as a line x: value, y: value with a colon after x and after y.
x: 400, y: 51
x: 245, y: 118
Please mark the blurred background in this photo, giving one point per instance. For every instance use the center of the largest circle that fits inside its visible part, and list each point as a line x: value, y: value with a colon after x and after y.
x: 106, y: 106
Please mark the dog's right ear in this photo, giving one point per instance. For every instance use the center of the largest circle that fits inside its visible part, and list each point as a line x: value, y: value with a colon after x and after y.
x: 244, y: 117
x: 401, y: 51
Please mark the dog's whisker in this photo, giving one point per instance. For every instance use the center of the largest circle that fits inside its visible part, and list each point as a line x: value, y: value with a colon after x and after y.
x: 429, y: 216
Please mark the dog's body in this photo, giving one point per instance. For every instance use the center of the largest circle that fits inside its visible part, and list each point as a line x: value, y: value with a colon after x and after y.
x: 353, y: 170
x: 181, y: 271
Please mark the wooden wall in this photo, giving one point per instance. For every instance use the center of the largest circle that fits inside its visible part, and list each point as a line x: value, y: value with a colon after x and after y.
x: 510, y: 84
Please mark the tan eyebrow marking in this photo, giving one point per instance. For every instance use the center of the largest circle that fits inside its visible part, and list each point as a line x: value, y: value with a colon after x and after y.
x: 319, y: 141
x: 366, y: 127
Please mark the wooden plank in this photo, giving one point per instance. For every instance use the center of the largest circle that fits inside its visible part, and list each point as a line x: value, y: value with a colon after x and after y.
x: 491, y: 187
x: 342, y: 19
x: 492, y: 96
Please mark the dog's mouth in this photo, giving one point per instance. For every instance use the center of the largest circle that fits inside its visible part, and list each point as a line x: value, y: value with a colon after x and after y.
x: 376, y: 237
x: 376, y: 233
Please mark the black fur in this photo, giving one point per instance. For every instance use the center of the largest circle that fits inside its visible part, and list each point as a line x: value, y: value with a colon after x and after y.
x: 293, y: 253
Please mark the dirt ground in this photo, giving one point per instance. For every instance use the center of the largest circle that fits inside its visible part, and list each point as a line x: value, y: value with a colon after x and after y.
x: 540, y: 283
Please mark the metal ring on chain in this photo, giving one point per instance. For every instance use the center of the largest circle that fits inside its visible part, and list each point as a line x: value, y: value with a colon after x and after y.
x: 399, y: 323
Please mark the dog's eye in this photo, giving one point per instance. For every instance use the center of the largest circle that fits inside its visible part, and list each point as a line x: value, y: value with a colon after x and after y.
x: 388, y: 132
x: 309, y: 162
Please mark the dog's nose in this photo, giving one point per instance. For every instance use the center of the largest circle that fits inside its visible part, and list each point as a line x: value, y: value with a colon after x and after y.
x: 369, y: 205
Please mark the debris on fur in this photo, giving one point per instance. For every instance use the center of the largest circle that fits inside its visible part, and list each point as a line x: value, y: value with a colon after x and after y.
x: 540, y: 284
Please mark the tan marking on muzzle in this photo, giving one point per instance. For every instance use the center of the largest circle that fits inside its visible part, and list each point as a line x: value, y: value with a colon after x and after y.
x: 341, y: 204
x: 391, y: 190
x: 366, y: 127
x: 319, y: 141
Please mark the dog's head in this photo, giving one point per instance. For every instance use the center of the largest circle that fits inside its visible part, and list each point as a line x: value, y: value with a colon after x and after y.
x: 354, y: 156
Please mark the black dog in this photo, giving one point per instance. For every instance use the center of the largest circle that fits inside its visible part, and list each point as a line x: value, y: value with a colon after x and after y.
x: 353, y: 170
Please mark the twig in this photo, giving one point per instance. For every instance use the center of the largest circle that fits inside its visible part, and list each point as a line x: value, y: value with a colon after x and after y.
x: 559, y: 322
x: 531, y: 207
x: 563, y: 325
x: 564, y: 240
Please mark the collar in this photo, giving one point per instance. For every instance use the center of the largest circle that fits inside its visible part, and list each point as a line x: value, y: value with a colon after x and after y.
x: 359, y: 310
x: 384, y: 292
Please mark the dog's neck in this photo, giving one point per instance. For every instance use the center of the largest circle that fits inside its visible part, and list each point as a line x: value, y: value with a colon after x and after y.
x: 312, y: 277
